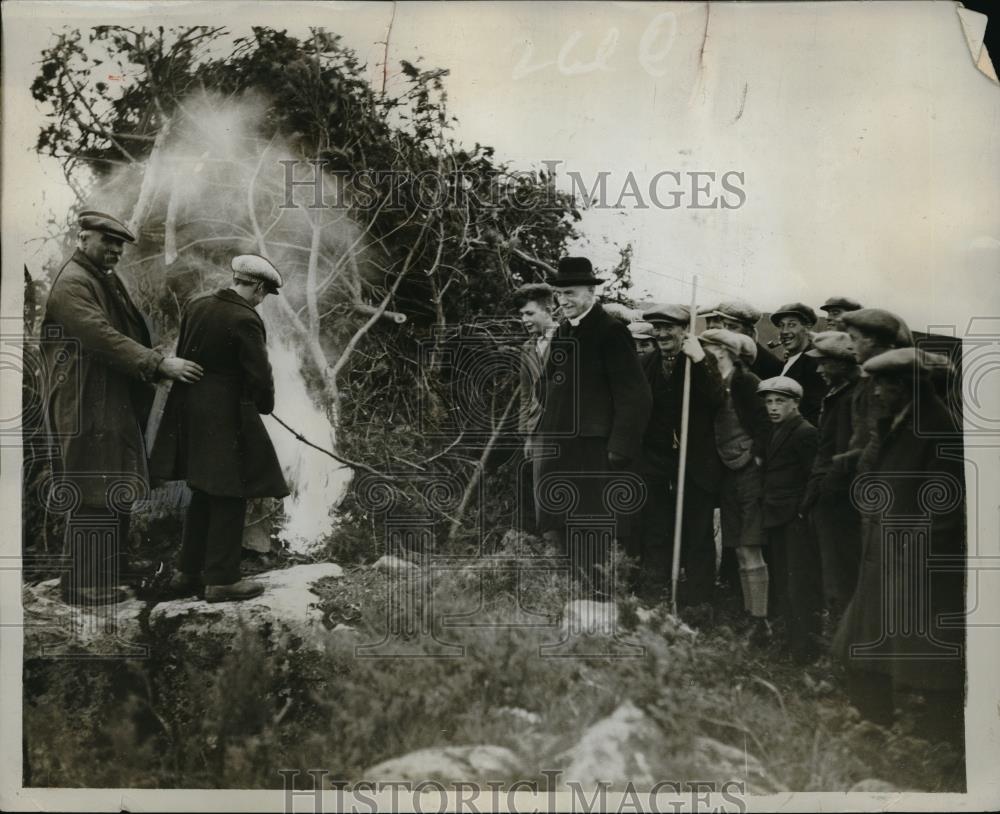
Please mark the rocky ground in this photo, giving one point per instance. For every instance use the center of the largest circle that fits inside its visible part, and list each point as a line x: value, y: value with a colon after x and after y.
x: 392, y: 671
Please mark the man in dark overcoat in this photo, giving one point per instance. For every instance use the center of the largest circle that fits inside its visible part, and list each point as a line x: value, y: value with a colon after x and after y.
x: 904, y: 626
x: 703, y: 468
x: 794, y: 322
x: 873, y: 331
x: 832, y: 513
x: 212, y: 436
x: 594, y: 410
x: 100, y: 369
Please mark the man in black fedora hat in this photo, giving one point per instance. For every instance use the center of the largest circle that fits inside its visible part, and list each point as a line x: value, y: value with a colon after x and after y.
x: 595, y: 406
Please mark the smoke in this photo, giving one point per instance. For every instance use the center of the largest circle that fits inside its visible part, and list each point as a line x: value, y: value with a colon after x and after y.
x: 212, y: 188
x: 317, y: 482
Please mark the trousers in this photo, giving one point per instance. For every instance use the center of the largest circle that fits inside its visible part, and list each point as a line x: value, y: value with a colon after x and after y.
x: 799, y: 589
x: 212, y: 543
x: 95, y: 545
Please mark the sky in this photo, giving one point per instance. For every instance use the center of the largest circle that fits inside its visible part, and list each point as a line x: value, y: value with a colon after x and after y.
x: 861, y: 137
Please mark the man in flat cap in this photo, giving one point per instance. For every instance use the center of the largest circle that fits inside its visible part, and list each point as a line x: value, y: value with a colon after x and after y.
x: 100, y: 370
x: 741, y: 317
x: 703, y: 467
x: 794, y: 322
x: 835, y: 307
x: 594, y: 410
x: 794, y: 555
x: 741, y: 433
x: 903, y: 628
x: 211, y: 434
x: 833, y: 514
x: 873, y: 331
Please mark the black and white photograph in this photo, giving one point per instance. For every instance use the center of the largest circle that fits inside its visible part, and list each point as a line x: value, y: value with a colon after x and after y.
x: 500, y: 406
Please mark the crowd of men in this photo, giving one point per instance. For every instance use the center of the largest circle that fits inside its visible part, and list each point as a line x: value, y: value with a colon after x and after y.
x: 819, y: 462
x: 795, y: 453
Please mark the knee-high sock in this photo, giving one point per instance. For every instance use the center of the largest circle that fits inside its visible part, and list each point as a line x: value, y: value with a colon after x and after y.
x: 757, y: 581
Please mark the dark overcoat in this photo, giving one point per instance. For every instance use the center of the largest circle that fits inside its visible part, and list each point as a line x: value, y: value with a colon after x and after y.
x: 99, y: 373
x: 765, y: 365
x: 595, y: 400
x: 211, y: 434
x: 914, y: 538
x: 814, y: 388
x: 708, y: 392
x: 836, y: 428
x: 787, y: 464
x: 594, y: 386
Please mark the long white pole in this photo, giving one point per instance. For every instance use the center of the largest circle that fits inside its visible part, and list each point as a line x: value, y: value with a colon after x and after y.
x: 675, y: 566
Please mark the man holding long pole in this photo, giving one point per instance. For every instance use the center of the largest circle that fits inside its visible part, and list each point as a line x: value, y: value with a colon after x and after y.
x: 695, y: 393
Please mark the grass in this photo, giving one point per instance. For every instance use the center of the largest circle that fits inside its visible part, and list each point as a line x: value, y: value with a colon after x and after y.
x: 212, y: 714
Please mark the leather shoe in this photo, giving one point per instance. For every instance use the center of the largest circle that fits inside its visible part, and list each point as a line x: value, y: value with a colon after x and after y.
x: 182, y: 585
x: 238, y: 591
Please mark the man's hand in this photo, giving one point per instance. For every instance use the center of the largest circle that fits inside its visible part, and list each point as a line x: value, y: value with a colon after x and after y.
x: 616, y: 461
x: 692, y: 347
x: 177, y: 369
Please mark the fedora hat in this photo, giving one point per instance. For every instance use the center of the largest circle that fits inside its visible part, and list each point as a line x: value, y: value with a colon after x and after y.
x: 574, y: 271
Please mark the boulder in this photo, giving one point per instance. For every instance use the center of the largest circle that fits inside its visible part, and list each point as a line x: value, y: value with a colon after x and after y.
x: 630, y: 747
x: 626, y: 747
x: 54, y: 628
x: 289, y: 605
x: 395, y: 565
x: 449, y: 764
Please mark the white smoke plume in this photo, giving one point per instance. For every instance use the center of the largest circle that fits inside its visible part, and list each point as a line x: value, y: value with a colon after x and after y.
x: 213, y: 188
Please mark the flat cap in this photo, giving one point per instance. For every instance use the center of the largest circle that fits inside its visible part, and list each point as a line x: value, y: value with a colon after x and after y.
x: 880, y: 323
x: 905, y: 362
x: 667, y: 312
x: 734, y: 309
x: 642, y: 330
x: 795, y: 309
x: 832, y: 345
x: 740, y: 345
x: 108, y: 224
x: 252, y: 268
x: 781, y: 384
x: 843, y: 303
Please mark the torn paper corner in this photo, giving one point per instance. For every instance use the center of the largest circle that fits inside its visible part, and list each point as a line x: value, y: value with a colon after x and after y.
x: 974, y: 27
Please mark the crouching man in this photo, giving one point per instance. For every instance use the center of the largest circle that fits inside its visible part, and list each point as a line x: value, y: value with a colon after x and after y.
x: 212, y: 435
x: 795, y: 560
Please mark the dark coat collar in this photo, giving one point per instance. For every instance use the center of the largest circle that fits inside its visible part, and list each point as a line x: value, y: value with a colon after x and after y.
x: 783, y: 432
x: 229, y: 295
x: 87, y: 264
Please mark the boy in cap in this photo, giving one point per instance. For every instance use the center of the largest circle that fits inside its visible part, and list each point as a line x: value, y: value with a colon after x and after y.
x: 100, y: 368
x: 741, y: 317
x: 211, y: 434
x: 795, y: 322
x: 741, y: 430
x: 794, y: 557
x: 644, y: 336
x: 904, y: 625
x: 703, y: 467
x: 836, y: 307
x: 833, y: 514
